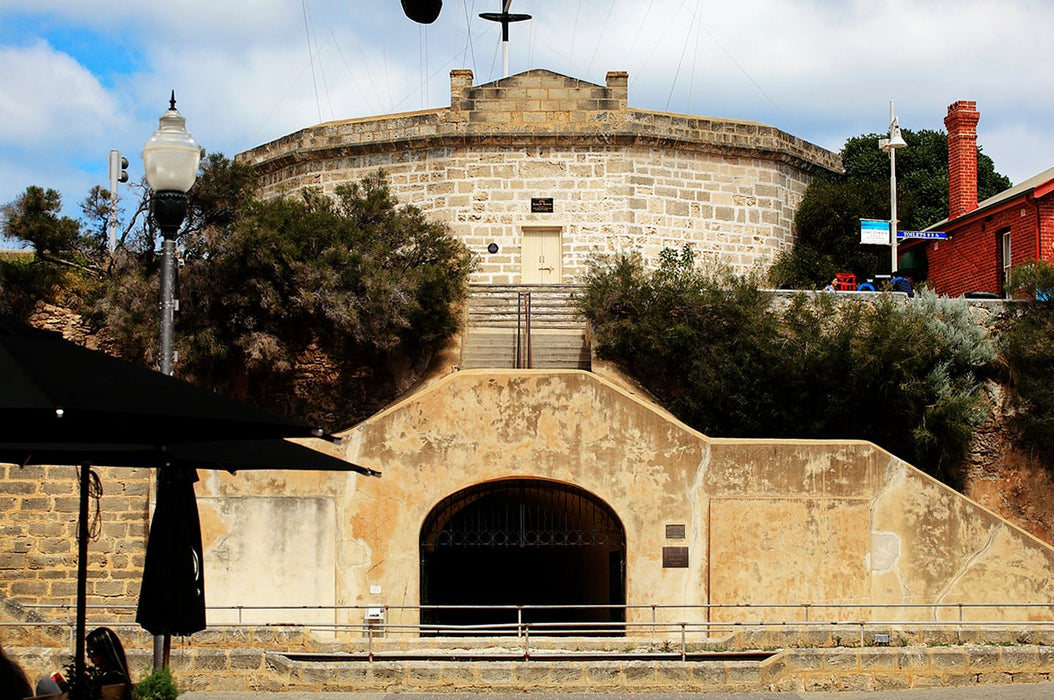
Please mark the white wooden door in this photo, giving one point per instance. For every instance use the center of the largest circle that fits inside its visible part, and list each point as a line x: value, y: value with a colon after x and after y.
x: 542, y: 256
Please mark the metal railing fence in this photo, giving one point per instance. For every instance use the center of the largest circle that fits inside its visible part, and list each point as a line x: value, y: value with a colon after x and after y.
x: 681, y: 626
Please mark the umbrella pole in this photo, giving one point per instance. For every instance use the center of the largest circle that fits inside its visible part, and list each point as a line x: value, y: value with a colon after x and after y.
x: 82, y: 583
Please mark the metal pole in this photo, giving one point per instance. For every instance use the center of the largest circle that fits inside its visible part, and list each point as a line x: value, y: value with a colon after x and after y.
x: 111, y: 224
x: 79, y: 670
x: 893, y: 208
x: 506, y: 6
x: 169, y: 209
x: 165, y: 362
x: 168, y: 304
x: 892, y: 196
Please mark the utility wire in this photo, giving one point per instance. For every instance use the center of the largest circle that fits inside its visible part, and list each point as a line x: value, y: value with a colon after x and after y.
x: 697, y: 20
x: 680, y: 61
x: 469, y: 48
x: 311, y: 59
x: 574, y: 32
x: 600, y: 39
x: 351, y: 73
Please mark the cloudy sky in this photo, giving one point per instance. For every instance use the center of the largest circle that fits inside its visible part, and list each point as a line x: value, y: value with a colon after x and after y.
x: 78, y: 78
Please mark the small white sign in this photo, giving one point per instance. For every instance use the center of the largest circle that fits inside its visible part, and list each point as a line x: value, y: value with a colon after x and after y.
x: 874, y: 232
x: 929, y: 235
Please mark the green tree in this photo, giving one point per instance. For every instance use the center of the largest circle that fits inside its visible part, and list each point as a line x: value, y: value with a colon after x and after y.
x: 828, y: 219
x: 62, y: 264
x: 1027, y: 344
x: 362, y: 287
x: 34, y: 218
x: 361, y: 284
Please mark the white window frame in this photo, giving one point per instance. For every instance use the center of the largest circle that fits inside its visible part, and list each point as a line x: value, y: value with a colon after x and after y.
x: 1007, y: 260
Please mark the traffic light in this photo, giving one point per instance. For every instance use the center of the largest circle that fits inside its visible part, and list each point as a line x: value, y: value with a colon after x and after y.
x: 422, y: 11
x: 118, y: 173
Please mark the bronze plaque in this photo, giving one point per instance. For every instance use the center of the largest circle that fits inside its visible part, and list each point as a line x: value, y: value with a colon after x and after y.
x: 675, y: 557
x: 675, y: 532
x: 541, y: 205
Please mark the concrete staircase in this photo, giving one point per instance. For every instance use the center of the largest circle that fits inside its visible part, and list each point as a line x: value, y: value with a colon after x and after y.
x: 525, y: 326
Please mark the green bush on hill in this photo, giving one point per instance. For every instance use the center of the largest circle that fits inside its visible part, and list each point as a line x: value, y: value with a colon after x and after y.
x: 726, y: 359
x: 362, y: 287
x: 1027, y: 345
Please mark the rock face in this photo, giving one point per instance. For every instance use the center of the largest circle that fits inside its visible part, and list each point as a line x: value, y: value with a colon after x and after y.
x: 1006, y: 480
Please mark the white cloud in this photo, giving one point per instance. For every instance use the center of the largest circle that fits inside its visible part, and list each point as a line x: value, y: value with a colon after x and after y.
x: 246, y: 71
x: 48, y: 99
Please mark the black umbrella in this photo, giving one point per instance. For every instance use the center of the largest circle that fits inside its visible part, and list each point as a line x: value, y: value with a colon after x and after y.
x: 54, y: 391
x: 63, y: 404
x: 172, y: 593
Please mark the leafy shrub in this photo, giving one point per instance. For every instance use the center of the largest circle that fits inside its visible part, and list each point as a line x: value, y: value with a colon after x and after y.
x: 354, y: 278
x: 159, y: 685
x: 723, y: 357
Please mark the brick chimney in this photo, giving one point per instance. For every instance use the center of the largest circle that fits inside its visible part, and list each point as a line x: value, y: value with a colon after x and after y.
x: 961, y: 124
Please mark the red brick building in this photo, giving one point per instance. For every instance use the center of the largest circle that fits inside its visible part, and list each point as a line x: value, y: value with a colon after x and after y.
x: 986, y: 239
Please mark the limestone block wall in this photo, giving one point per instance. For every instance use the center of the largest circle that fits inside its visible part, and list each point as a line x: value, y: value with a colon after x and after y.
x: 620, y: 179
x: 848, y: 524
x: 38, y: 539
x: 271, y: 538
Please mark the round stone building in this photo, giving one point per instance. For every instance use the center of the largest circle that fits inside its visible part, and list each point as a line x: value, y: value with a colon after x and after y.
x: 538, y: 172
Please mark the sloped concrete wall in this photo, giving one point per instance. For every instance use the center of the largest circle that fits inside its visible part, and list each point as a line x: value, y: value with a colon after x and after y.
x: 766, y: 522
x: 475, y: 427
x: 841, y: 526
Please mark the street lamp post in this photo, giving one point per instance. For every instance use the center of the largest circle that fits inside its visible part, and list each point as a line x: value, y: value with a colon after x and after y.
x: 170, y: 157
x: 890, y: 146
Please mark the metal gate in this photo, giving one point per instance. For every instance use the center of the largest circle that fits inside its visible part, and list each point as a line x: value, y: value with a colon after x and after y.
x: 522, y: 542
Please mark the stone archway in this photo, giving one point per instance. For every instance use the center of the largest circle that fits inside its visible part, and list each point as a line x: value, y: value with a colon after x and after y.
x: 524, y: 542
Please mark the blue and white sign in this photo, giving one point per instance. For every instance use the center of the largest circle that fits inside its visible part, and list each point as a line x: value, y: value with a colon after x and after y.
x: 874, y: 232
x: 930, y: 235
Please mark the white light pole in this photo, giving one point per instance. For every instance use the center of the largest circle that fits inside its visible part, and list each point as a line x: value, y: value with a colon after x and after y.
x: 170, y: 157
x: 890, y: 146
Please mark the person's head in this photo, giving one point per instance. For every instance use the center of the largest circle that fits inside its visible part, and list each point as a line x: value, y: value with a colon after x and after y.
x: 106, y: 651
x: 13, y: 680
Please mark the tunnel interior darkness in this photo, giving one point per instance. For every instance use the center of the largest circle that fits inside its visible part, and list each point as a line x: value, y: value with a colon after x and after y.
x: 524, y: 542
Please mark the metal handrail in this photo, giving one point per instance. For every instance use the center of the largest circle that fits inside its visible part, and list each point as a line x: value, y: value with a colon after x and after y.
x: 69, y: 609
x: 523, y: 330
x: 807, y: 614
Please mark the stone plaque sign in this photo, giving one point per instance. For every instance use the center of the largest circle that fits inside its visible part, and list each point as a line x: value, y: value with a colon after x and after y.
x: 675, y: 532
x: 675, y: 557
x: 541, y: 205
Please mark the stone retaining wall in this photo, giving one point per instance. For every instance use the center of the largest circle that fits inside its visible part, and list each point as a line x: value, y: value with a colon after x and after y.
x: 836, y: 669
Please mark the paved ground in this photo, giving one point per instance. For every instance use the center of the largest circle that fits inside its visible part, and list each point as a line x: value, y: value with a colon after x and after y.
x: 988, y: 692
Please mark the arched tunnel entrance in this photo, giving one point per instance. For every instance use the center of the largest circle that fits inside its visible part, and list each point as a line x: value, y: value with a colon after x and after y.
x: 524, y: 542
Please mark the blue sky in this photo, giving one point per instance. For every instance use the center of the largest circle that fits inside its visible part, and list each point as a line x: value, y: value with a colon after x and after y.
x: 80, y: 78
